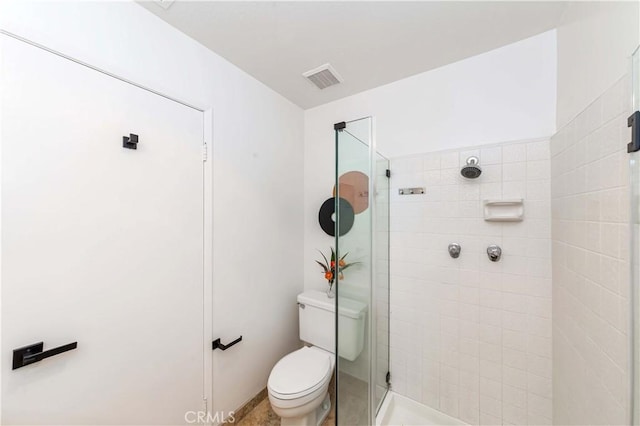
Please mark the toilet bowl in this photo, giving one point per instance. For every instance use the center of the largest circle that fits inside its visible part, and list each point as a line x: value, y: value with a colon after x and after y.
x: 299, y: 382
x: 298, y: 386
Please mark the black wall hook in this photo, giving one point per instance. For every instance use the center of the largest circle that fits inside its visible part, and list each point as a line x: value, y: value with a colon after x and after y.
x: 130, y: 142
x: 217, y: 345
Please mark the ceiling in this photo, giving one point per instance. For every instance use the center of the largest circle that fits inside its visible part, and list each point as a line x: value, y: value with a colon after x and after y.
x: 368, y: 43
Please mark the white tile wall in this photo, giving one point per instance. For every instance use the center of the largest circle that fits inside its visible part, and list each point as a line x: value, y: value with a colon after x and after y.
x: 590, y: 207
x: 470, y: 337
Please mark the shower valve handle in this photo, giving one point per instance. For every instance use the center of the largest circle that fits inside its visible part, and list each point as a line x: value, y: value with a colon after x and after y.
x: 454, y: 250
x: 494, y: 252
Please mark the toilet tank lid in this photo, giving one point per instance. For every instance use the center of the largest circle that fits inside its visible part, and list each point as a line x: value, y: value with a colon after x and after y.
x: 347, y: 307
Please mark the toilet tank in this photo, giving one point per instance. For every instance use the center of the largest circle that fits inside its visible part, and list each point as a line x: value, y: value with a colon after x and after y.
x: 316, y: 313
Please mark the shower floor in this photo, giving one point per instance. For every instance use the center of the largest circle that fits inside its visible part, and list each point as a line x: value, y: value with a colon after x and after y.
x: 399, y: 410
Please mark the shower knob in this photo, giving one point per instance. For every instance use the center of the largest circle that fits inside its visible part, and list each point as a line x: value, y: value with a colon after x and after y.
x: 494, y: 252
x: 454, y: 250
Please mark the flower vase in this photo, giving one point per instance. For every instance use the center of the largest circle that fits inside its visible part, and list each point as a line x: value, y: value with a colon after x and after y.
x: 330, y: 292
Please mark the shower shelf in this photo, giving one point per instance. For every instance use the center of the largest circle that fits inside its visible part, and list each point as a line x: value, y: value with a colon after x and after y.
x: 504, y: 210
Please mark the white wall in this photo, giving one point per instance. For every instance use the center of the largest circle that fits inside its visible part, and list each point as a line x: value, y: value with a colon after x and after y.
x: 502, y: 95
x: 590, y: 205
x: 595, y: 42
x: 257, y: 135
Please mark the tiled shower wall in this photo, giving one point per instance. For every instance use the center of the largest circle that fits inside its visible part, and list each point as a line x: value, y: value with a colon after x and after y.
x: 590, y: 209
x: 470, y: 337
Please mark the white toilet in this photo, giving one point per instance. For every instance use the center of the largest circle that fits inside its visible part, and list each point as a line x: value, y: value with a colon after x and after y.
x: 298, y: 384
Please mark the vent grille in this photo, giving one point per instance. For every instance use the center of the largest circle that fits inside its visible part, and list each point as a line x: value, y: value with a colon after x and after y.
x: 324, y: 76
x: 165, y: 4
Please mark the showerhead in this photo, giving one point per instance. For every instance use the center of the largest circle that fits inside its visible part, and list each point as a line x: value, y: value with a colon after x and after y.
x: 472, y: 170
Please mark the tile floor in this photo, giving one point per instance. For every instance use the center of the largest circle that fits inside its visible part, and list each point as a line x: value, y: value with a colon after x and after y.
x: 352, y: 406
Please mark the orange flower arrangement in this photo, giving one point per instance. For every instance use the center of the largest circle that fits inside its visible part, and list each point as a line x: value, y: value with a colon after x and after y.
x: 329, y: 267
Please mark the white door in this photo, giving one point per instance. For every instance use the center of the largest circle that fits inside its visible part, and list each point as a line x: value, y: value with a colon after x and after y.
x: 101, y: 244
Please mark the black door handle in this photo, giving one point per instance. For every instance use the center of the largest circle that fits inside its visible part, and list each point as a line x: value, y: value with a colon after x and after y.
x: 217, y: 345
x: 33, y: 353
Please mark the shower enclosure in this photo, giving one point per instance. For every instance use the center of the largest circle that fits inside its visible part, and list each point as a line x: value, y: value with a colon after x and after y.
x: 540, y: 335
x: 362, y: 224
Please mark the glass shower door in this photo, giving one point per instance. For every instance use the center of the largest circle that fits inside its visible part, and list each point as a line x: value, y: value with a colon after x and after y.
x: 635, y: 252
x: 380, y: 230
x: 362, y: 285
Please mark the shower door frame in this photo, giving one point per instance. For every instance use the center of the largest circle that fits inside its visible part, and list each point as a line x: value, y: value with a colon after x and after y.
x: 634, y: 258
x: 372, y: 315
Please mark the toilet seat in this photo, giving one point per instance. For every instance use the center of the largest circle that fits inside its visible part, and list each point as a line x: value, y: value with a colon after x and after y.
x: 300, y: 374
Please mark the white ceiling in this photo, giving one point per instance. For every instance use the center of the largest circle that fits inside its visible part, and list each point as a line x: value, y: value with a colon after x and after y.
x: 368, y: 43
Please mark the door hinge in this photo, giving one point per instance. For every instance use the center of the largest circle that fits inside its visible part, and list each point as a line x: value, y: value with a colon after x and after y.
x: 388, y: 378
x: 388, y: 173
x: 634, y: 122
x: 205, y: 152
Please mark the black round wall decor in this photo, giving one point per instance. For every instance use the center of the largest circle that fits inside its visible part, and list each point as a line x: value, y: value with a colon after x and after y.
x: 346, y: 216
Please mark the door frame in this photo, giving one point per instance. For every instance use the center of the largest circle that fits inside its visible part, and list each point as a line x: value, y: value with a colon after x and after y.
x: 207, y: 300
x: 207, y: 196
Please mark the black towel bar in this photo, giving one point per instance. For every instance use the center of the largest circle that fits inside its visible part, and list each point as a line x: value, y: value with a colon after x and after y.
x: 34, y: 353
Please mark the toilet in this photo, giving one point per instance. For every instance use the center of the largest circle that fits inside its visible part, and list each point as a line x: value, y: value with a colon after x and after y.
x: 298, y: 384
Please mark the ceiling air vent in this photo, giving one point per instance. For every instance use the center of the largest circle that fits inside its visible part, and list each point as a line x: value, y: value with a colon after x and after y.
x: 323, y: 76
x: 165, y: 4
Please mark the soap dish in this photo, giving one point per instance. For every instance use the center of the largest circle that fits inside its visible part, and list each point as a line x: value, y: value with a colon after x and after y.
x: 504, y: 210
